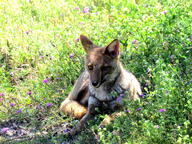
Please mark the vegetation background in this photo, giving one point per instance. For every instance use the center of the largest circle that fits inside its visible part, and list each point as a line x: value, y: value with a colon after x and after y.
x: 41, y: 57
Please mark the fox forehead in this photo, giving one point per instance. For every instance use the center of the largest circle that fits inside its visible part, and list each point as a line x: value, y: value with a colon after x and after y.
x: 97, y: 57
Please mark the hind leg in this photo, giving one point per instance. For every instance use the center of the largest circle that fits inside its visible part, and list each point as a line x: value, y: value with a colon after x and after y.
x: 73, y: 108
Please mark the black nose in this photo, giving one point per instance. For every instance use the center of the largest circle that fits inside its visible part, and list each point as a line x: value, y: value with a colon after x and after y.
x: 95, y: 83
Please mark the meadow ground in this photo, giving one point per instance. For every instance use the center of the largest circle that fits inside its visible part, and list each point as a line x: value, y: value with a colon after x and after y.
x: 41, y: 56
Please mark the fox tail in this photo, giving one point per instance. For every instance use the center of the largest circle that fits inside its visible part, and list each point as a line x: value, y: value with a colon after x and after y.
x: 73, y: 108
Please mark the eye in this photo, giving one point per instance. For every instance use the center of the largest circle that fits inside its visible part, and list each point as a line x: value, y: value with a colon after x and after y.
x: 90, y: 67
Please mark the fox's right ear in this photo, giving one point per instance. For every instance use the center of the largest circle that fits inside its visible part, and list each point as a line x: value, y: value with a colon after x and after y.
x: 87, y: 44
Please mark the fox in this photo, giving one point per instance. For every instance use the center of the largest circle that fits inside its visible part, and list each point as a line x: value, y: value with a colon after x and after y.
x: 100, y: 84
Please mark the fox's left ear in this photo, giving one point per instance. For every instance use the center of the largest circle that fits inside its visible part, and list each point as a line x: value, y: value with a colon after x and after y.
x: 112, y: 49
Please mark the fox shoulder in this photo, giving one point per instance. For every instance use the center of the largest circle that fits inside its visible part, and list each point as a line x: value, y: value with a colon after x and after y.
x: 129, y: 82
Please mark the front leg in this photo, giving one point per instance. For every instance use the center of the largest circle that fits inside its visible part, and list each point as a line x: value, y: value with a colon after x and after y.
x: 92, y: 103
x: 113, y: 106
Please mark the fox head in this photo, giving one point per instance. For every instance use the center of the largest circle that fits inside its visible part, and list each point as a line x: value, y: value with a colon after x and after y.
x: 101, y: 62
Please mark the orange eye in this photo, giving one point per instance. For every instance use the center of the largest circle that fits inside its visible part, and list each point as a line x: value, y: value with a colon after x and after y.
x: 90, y: 67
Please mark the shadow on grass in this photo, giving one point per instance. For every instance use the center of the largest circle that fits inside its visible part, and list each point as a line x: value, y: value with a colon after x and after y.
x: 84, y: 138
x: 22, y: 132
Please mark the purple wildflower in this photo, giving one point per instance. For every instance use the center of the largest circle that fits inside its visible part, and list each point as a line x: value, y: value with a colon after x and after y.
x: 157, y: 126
x: 1, y: 99
x: 119, y: 99
x: 11, y: 74
x: 127, y: 111
x: 29, y: 31
x: 142, y: 95
x: 49, y: 105
x: 86, y: 10
x: 72, y: 56
x: 4, y: 130
x: 41, y: 57
x: 38, y: 106
x: 138, y: 109
x: 45, y: 80
x: 12, y: 104
x: 96, y: 13
x: 57, y: 35
x: 29, y: 93
x: 77, y: 40
x: 162, y: 110
x: 164, y: 12
x: 134, y: 41
x: 58, y: 78
x: 122, y: 94
x: 2, y: 94
x: 82, y: 23
x: 66, y: 130
x: 76, y: 8
x: 18, y: 111
x: 190, y: 39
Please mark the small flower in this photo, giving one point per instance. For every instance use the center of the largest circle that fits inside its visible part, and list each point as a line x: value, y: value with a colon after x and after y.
x: 164, y: 12
x: 119, y: 99
x: 2, y: 94
x: 38, y: 106
x: 29, y: 31
x: 127, y: 111
x: 18, y: 111
x: 4, y: 130
x: 72, y: 56
x: 138, y: 109
x: 12, y: 104
x: 1, y: 99
x: 49, y: 105
x: 45, y: 80
x: 162, y: 110
x: 134, y: 41
x: 29, y: 93
x: 86, y: 10
x: 11, y: 74
x: 66, y: 130
x: 81, y: 23
x: 157, y: 126
x: 142, y: 95
x: 77, y: 39
x: 122, y: 94
x: 96, y: 13
x: 41, y: 57
x: 115, y: 132
x: 57, y: 35
x: 190, y: 38
x: 76, y: 8
x: 58, y: 78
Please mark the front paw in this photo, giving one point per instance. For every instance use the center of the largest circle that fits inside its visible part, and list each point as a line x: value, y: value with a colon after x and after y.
x: 70, y: 133
x: 73, y: 132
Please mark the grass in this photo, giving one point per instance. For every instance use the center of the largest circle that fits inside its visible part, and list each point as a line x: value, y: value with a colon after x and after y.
x: 39, y: 41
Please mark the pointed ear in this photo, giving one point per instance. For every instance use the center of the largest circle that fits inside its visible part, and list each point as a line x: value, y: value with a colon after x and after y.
x: 112, y: 49
x: 87, y: 44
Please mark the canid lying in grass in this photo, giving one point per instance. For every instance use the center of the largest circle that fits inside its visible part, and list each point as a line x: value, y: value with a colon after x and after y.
x: 103, y: 80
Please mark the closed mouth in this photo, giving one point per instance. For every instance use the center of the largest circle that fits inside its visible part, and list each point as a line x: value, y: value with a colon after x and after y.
x: 99, y: 84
